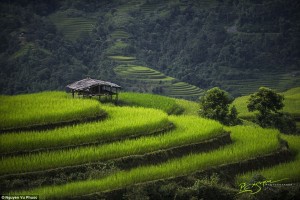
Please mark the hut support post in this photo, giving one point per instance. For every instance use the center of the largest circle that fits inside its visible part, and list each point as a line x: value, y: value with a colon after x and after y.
x: 73, y: 94
x: 110, y: 89
x: 117, y: 95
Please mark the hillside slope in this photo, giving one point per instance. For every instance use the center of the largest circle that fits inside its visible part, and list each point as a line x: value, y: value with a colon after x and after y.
x: 236, y: 45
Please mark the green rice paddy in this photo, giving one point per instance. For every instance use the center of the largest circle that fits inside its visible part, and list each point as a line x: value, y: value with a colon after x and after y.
x: 122, y: 122
x: 248, y: 142
x: 146, y: 114
x: 119, y: 34
x: 290, y: 171
x: 122, y: 59
x: 181, y: 89
x: 44, y: 108
x: 166, y: 104
x: 248, y: 86
x: 141, y: 73
x: 188, y: 130
x: 150, y: 77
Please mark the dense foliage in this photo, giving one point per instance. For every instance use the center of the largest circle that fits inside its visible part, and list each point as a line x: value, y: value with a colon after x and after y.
x: 215, y: 105
x: 204, y: 43
x: 268, y: 103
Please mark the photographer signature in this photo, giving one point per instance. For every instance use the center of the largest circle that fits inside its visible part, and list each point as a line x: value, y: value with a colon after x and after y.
x: 256, y: 187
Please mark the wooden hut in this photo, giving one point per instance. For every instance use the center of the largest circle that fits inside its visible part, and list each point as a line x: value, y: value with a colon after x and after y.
x: 91, y: 87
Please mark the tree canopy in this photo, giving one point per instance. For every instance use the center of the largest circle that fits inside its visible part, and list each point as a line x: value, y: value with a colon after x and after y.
x: 215, y: 105
x: 268, y: 103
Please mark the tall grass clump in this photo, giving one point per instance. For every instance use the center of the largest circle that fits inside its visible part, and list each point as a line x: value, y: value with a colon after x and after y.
x: 189, y: 107
x: 121, y: 122
x: 43, y: 108
x: 166, y: 104
x: 248, y: 143
x: 289, y: 171
x: 189, y: 129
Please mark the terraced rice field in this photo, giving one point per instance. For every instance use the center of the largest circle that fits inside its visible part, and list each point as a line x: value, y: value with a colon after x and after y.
x: 137, y: 122
x: 61, y: 158
x: 117, y: 48
x: 177, y: 167
x: 44, y: 108
x: 149, y: 80
x: 141, y: 73
x: 248, y: 86
x: 123, y: 59
x: 170, y: 86
x: 168, y: 105
x: 287, y: 172
x: 182, y: 89
x: 119, y: 34
x: 72, y: 27
x: 114, y: 143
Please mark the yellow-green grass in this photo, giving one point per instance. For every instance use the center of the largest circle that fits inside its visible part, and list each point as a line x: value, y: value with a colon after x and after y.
x: 189, y: 129
x: 290, y: 171
x: 72, y: 27
x: 249, y: 142
x: 291, y: 102
x: 166, y: 104
x: 121, y: 122
x: 189, y: 107
x: 44, y: 108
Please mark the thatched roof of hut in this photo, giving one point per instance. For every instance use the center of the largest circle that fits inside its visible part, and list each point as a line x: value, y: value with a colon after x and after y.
x: 88, y: 82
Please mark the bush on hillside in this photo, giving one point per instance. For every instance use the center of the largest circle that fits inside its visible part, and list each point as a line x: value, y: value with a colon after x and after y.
x: 215, y: 105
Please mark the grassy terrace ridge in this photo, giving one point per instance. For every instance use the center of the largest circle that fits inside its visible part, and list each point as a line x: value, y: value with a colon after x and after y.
x: 189, y: 129
x: 184, y: 89
x: 119, y: 34
x: 43, y: 108
x: 249, y: 142
x: 166, y: 104
x: 291, y: 102
x: 289, y: 171
x: 122, y: 58
x: 121, y: 122
x: 117, y: 48
x: 140, y: 73
x: 148, y: 76
x: 285, y: 80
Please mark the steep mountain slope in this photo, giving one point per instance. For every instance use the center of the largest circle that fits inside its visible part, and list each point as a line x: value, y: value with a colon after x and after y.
x: 236, y: 45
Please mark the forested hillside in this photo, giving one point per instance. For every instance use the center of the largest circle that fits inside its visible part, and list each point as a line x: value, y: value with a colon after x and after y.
x: 175, y: 48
